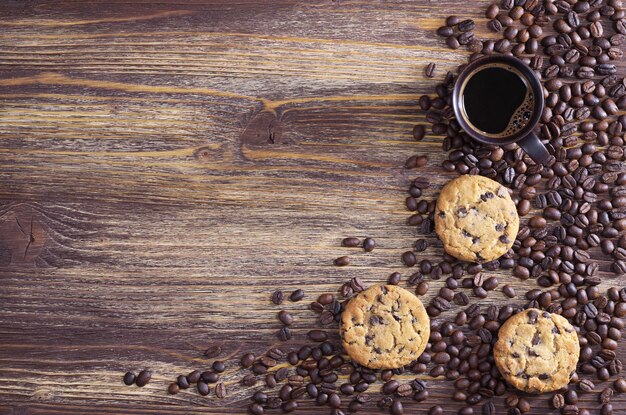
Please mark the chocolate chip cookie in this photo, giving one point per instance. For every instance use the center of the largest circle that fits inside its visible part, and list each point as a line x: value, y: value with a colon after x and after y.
x: 537, y: 351
x: 385, y: 327
x: 476, y: 219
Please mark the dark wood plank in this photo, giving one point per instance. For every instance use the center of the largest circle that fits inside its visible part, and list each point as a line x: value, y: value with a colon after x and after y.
x: 166, y: 165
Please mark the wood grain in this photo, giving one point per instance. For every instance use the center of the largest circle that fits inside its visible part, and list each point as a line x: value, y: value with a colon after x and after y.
x: 166, y: 165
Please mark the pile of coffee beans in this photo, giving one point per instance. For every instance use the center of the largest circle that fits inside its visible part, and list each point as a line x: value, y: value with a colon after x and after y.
x: 573, y: 213
x: 574, y: 203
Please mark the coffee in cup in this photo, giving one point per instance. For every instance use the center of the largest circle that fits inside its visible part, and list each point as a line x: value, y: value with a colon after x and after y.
x: 498, y: 100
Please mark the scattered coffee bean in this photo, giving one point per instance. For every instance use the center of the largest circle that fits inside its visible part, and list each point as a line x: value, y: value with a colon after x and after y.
x: 220, y: 390
x: 129, y: 378
x: 369, y: 244
x: 183, y: 382
x: 285, y: 318
x: 508, y: 291
x: 606, y: 396
x: 143, y: 378
x: 256, y: 409
x: 173, y: 389
x: 203, y: 388
x: 394, y: 278
x: 419, y: 132
x: 342, y: 261
x: 218, y: 366
x: 620, y: 385
x: 194, y: 376
x: 215, y: 350
x: 436, y: 410
x: 396, y: 408
x: 284, y: 334
x: 297, y: 295
x: 277, y: 297
x: 558, y: 401
x: 351, y: 242
x: 209, y: 377
x: 429, y: 71
x: 586, y: 385
x: 249, y: 380
x: 317, y: 336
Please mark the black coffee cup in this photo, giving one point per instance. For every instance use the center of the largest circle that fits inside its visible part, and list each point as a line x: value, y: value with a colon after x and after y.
x: 498, y: 100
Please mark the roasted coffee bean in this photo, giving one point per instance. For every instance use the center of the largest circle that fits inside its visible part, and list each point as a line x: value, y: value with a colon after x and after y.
x: 571, y: 397
x: 194, y: 376
x: 129, y: 378
x: 489, y: 409
x: 396, y: 408
x: 523, y: 405
x: 212, y: 377
x: 277, y: 297
x: 494, y: 26
x: 508, y: 291
x: 297, y: 295
x: 317, y: 336
x: 409, y: 259
x: 351, y: 242
x: 270, y: 380
x: 558, y: 401
x: 256, y: 409
x: 247, y: 360
x: 596, y: 29
x: 466, y: 25
x: 285, y: 318
x: 369, y: 243
x: 421, y: 245
x: 606, y: 409
x: 586, y: 385
x: 342, y: 261
x: 606, y: 396
x: 394, y: 278
x: 429, y: 71
x: 218, y: 366
x: 183, y: 382
x: 516, y: 12
x: 220, y: 390
x: 452, y: 42
x: 436, y: 410
x: 284, y: 334
x: 390, y: 387
x: 203, y: 388
x: 445, y: 31
x: 419, y: 132
x: 143, y: 378
x: 213, y: 351
x: 274, y: 403
x: 492, y: 11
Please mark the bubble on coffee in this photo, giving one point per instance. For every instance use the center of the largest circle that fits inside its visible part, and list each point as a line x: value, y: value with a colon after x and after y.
x: 497, y: 100
x: 521, y: 117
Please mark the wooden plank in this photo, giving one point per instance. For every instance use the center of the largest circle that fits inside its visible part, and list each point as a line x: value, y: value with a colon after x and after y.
x: 166, y: 165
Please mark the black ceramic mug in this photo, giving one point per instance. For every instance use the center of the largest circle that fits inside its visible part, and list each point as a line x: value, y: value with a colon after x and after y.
x: 498, y: 100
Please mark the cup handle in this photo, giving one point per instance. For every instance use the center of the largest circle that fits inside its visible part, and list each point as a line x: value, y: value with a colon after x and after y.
x: 535, y: 148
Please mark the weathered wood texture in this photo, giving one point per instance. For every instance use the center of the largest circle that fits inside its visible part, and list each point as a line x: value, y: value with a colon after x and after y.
x: 165, y: 165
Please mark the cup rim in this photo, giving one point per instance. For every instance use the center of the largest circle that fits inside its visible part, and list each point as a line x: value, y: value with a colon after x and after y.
x: 534, y: 82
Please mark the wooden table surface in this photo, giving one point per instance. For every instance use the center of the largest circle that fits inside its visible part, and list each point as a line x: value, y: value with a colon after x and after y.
x: 164, y: 166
